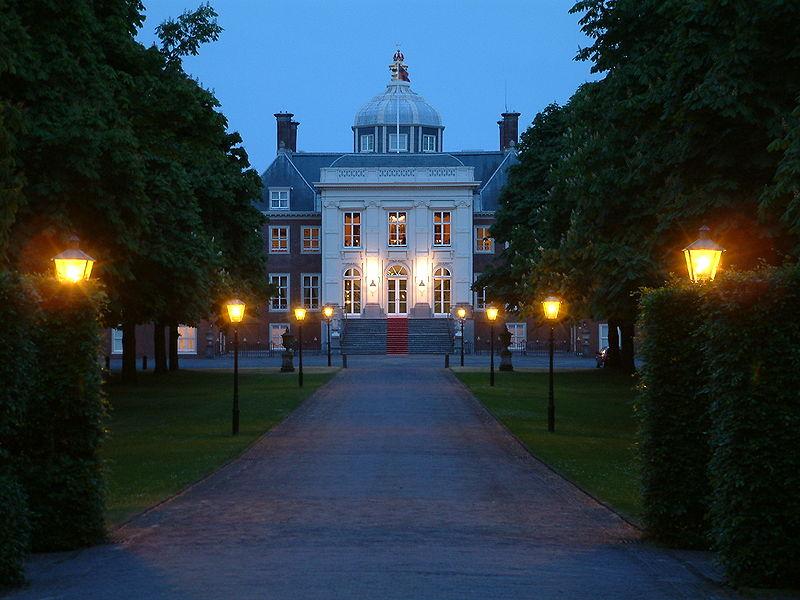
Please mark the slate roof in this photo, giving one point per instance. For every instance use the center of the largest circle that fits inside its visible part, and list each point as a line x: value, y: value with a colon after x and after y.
x: 299, y: 171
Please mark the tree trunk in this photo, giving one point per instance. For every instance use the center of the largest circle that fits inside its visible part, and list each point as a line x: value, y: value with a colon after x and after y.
x: 128, y: 352
x: 626, y: 362
x: 173, y: 347
x: 160, y: 345
x: 614, y: 359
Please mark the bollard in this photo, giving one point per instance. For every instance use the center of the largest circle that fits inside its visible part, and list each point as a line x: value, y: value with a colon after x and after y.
x: 144, y: 362
x: 344, y: 361
x: 446, y: 361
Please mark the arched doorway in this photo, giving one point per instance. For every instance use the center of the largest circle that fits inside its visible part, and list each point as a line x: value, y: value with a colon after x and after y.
x: 396, y: 291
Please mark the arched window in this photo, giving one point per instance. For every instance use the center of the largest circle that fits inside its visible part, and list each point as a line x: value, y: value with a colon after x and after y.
x: 442, y: 291
x: 352, y: 291
x: 397, y: 271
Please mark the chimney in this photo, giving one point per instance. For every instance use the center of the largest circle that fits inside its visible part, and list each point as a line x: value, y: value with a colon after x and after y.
x: 287, y: 132
x: 509, y: 130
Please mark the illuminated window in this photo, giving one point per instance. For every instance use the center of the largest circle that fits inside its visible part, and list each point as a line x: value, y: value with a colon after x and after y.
x: 368, y: 143
x: 310, y: 290
x: 279, y: 199
x: 352, y: 292
x: 352, y: 230
x: 280, y: 299
x: 441, y: 291
x: 429, y: 143
x: 441, y: 228
x: 484, y: 242
x: 276, y: 331
x: 187, y: 339
x: 398, y: 143
x: 278, y: 239
x: 397, y: 229
x: 519, y: 333
x: 310, y: 240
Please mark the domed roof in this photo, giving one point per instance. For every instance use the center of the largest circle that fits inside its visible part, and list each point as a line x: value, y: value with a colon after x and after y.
x: 398, y: 96
x: 383, y: 108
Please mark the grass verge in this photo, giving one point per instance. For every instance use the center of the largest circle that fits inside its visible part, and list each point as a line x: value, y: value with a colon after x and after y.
x: 593, y: 444
x: 170, y: 430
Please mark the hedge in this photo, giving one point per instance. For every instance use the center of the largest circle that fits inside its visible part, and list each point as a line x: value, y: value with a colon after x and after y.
x: 60, y: 467
x: 672, y: 408
x: 753, y: 353
x: 16, y: 364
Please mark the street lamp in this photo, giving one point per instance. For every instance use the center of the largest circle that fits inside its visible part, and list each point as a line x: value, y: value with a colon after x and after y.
x: 551, y: 306
x: 73, y: 265
x: 702, y: 257
x: 300, y: 316
x: 327, y: 314
x: 461, y: 313
x: 491, y: 314
x: 235, y: 315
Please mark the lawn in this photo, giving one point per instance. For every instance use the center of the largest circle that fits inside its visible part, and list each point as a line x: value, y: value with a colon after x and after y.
x: 593, y: 444
x: 170, y: 430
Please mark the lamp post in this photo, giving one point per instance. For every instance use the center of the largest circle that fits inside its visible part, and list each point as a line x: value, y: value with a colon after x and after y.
x: 235, y: 314
x: 551, y: 305
x: 461, y: 313
x: 327, y: 314
x: 703, y: 257
x: 73, y: 265
x: 491, y: 314
x: 300, y: 315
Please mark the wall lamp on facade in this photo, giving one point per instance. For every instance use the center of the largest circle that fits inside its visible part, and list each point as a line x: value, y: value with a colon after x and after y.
x: 703, y: 257
x: 73, y: 265
x: 372, y: 284
x: 421, y: 285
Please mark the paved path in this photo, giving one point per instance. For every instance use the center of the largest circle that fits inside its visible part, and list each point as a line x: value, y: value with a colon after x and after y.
x: 388, y: 483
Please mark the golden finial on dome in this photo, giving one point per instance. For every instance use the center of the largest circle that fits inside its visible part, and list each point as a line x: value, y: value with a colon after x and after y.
x: 398, y: 69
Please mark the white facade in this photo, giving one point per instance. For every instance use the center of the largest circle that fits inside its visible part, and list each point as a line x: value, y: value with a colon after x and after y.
x: 418, y: 273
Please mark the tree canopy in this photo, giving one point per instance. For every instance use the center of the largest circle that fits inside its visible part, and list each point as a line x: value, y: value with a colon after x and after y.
x: 110, y: 140
x: 694, y: 122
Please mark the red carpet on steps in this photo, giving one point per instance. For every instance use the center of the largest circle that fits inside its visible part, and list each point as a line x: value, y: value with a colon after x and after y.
x: 397, y: 336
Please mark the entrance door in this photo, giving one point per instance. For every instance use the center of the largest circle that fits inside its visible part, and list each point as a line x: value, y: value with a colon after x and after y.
x: 396, y: 291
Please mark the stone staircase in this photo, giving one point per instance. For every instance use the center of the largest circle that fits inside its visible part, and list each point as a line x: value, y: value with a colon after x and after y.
x: 397, y: 336
x: 364, y: 336
x: 429, y: 336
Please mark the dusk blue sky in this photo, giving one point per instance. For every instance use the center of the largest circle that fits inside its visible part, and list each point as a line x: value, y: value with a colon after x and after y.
x: 322, y: 60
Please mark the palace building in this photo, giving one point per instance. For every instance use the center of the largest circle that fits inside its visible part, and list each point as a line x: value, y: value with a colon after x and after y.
x: 393, y: 234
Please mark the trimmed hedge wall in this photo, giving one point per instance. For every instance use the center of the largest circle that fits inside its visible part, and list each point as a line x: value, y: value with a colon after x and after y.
x: 51, y: 412
x: 61, y: 470
x: 16, y: 364
x: 753, y: 353
x: 672, y: 408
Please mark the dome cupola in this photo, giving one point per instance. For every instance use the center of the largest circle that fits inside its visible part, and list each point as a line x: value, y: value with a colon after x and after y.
x: 399, y: 119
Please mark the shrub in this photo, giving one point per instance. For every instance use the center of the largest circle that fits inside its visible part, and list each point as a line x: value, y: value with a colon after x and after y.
x: 672, y: 408
x: 14, y: 530
x: 753, y: 352
x: 16, y: 367
x: 61, y: 469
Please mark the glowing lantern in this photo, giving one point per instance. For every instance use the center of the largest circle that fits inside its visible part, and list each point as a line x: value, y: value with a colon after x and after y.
x: 300, y: 313
x: 235, y: 310
x: 461, y: 313
x: 491, y: 312
x: 73, y: 265
x: 551, y: 305
x: 327, y: 312
x: 702, y: 257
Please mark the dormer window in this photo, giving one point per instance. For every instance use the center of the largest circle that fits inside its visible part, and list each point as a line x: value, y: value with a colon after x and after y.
x: 279, y: 199
x: 398, y: 143
x: 429, y: 143
x: 368, y: 143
